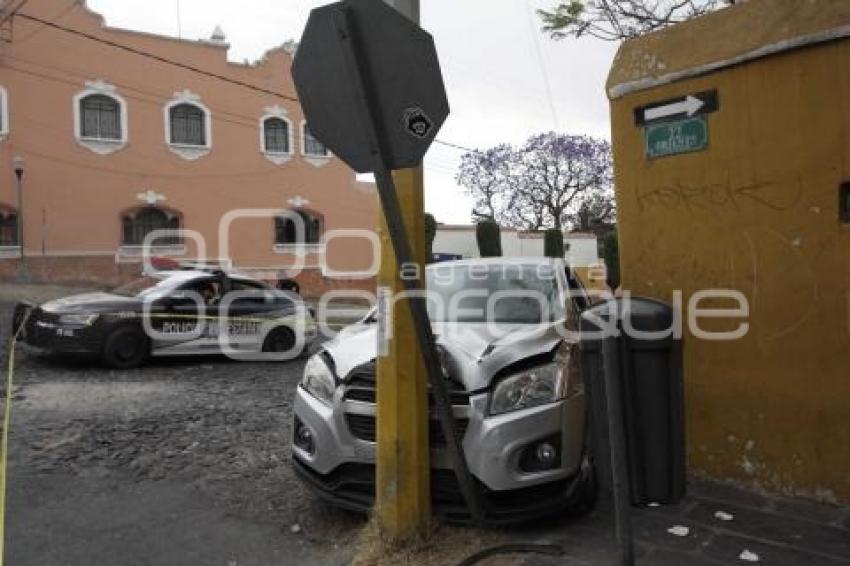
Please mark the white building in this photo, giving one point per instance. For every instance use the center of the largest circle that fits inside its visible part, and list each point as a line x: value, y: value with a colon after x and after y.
x: 460, y: 240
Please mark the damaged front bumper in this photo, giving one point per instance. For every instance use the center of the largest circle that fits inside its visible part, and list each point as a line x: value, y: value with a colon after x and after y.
x: 334, y: 452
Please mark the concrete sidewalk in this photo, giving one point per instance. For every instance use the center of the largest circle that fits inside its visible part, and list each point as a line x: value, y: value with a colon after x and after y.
x: 724, y: 525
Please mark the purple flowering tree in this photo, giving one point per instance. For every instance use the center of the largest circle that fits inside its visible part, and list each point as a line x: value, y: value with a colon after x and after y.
x: 551, y: 181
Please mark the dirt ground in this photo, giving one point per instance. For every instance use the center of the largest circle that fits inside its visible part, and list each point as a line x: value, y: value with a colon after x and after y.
x: 180, y: 462
x: 183, y: 461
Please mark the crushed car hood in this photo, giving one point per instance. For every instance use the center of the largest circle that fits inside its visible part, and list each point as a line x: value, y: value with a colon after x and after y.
x: 476, y: 352
x: 90, y: 302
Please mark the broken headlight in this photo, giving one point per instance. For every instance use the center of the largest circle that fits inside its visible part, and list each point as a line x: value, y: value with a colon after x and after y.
x: 529, y: 388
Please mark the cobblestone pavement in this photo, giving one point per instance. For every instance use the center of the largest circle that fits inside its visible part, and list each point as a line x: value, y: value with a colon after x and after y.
x: 183, y: 461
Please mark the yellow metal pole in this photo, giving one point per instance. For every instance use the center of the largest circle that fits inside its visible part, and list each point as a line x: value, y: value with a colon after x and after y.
x: 403, y: 473
x: 403, y: 495
x: 403, y: 501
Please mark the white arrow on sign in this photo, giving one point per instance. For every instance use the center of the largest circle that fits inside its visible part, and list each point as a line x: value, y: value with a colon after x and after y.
x: 688, y: 106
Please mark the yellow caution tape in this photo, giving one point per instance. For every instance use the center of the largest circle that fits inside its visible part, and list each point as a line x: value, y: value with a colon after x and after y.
x: 4, y: 445
x: 7, y: 411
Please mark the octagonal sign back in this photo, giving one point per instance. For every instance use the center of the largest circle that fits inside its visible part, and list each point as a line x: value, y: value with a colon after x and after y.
x: 402, y: 84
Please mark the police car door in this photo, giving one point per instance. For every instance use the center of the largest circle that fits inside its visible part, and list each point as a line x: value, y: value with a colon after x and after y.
x: 190, y: 321
x: 252, y: 310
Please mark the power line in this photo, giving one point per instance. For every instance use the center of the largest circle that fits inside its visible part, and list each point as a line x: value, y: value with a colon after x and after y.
x: 185, y: 66
x: 156, y: 57
x: 536, y: 40
x: 249, y: 122
x: 435, y: 165
x: 241, y: 119
x: 58, y: 16
x: 13, y: 11
x: 179, y: 23
x: 454, y: 145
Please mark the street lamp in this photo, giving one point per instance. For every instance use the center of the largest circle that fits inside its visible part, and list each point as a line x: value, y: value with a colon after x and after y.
x: 18, y: 166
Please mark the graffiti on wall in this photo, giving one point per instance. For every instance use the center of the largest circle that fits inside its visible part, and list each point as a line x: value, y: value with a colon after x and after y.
x: 679, y: 195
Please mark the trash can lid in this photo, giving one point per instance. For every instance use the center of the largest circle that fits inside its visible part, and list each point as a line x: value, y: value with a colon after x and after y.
x: 643, y: 314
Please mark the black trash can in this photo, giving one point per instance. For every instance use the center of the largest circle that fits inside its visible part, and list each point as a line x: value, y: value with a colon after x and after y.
x: 647, y: 362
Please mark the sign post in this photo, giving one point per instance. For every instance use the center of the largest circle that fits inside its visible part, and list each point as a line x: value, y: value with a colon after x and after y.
x: 402, y: 469
x: 370, y: 85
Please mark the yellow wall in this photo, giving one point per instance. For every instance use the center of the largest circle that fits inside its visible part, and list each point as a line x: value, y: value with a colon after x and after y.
x: 757, y: 212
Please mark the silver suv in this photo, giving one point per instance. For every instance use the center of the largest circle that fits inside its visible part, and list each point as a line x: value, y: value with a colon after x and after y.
x: 507, y: 335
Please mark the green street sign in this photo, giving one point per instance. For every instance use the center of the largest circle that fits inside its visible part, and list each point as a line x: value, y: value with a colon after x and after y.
x: 676, y: 136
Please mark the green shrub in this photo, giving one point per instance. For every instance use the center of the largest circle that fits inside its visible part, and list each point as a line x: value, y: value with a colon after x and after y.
x: 553, y: 243
x: 611, y: 255
x: 430, y: 234
x: 489, y: 237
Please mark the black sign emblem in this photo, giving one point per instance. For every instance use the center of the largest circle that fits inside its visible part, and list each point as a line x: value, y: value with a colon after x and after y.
x: 417, y: 123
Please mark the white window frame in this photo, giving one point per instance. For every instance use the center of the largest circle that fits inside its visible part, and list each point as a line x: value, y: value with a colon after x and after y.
x: 189, y: 152
x: 277, y: 157
x: 135, y: 252
x: 4, y: 112
x: 101, y: 146
x: 312, y: 158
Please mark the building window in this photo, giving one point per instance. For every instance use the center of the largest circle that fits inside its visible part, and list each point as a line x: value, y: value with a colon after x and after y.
x: 187, y: 123
x: 312, y: 147
x: 188, y: 126
x: 4, y: 113
x: 276, y: 135
x: 287, y: 229
x: 137, y: 223
x: 100, y: 117
x: 8, y: 227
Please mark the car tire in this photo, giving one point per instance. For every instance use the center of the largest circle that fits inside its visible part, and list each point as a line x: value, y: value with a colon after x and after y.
x: 586, y: 489
x: 279, y: 340
x: 126, y: 347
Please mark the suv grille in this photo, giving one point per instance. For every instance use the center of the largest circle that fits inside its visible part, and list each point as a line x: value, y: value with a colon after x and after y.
x: 361, y: 387
x: 363, y: 428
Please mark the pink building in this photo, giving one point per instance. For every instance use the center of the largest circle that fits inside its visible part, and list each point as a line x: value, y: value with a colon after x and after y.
x: 122, y: 133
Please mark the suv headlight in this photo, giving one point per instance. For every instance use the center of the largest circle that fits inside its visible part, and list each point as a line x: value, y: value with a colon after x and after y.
x: 529, y: 388
x: 81, y: 319
x: 318, y: 379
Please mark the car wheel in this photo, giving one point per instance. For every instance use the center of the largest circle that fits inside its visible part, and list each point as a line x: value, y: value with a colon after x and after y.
x: 126, y: 347
x: 279, y: 340
x: 586, y: 488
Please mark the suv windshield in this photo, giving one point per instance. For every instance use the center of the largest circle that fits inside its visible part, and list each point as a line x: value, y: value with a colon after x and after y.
x: 502, y: 293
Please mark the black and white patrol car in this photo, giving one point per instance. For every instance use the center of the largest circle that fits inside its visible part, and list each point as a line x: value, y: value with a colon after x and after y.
x: 171, y: 313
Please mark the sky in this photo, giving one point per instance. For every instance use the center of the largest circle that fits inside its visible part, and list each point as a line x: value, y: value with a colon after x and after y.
x: 506, y: 80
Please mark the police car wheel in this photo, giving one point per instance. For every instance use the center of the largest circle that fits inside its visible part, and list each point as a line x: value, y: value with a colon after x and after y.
x: 126, y: 347
x: 279, y: 340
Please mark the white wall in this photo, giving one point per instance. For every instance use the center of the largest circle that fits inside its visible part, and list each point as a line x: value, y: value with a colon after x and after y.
x: 582, y: 250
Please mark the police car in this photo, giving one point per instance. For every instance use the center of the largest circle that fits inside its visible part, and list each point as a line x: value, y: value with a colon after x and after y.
x: 170, y: 313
